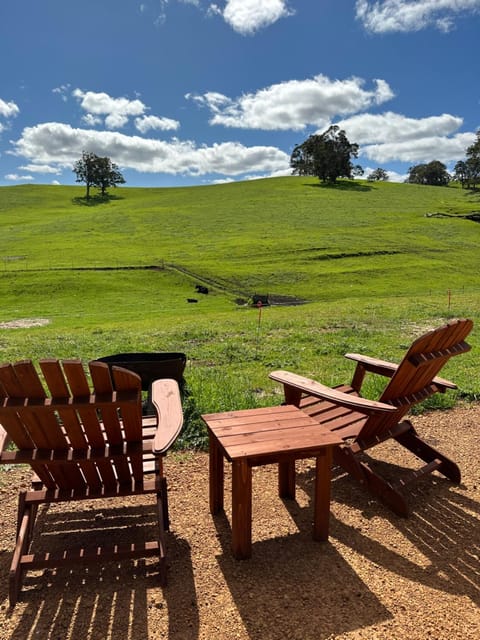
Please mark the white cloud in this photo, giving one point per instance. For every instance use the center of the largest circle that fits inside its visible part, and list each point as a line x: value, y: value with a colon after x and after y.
x: 391, y: 136
x: 8, y: 109
x: 16, y: 178
x: 412, y: 15
x: 92, y: 121
x: 294, y: 104
x: 116, y: 110
x: 421, y: 150
x: 394, y: 127
x: 40, y: 168
x: 60, y: 144
x: 145, y: 123
x: 248, y: 16
x: 63, y: 90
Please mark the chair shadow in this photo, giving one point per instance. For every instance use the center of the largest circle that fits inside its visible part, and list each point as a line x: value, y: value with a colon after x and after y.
x: 444, y: 525
x: 295, y: 587
x: 108, y: 599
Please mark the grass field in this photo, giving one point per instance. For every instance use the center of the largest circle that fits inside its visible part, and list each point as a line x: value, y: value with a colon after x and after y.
x: 373, y: 265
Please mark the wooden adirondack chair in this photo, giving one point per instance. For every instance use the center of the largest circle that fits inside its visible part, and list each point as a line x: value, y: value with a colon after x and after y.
x: 84, y: 442
x: 362, y: 424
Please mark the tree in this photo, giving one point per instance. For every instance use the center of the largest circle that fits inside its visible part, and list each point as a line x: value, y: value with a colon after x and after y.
x: 97, y: 172
x: 86, y: 170
x: 327, y: 156
x: 108, y: 175
x: 461, y: 173
x: 378, y: 175
x: 473, y: 163
x: 434, y: 173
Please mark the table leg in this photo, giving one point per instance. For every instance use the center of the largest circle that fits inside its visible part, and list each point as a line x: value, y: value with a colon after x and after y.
x: 286, y: 479
x: 322, y: 494
x: 216, y: 475
x: 241, y: 509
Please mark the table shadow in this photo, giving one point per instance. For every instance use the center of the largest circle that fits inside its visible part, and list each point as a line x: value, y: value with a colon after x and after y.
x: 294, y: 587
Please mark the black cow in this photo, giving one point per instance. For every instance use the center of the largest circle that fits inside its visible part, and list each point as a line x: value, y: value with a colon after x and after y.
x: 201, y: 289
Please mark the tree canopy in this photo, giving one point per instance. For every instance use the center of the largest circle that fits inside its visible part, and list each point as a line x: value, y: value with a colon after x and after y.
x: 467, y: 172
x: 434, y: 173
x: 327, y: 156
x: 96, y: 171
x: 377, y: 175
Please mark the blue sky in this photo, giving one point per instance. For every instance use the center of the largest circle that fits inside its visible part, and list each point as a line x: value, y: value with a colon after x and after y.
x: 186, y: 92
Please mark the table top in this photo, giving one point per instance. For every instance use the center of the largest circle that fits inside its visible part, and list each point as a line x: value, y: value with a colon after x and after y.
x: 274, y: 431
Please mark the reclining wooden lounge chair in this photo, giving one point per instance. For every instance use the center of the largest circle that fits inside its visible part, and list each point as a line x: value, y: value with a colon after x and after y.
x: 363, y: 425
x: 84, y: 443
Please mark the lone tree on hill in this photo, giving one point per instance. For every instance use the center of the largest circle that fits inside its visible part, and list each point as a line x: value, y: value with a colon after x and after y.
x: 327, y: 156
x: 98, y: 172
x: 434, y: 173
x: 378, y: 175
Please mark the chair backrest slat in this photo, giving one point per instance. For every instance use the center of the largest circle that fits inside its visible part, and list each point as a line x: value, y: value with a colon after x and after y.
x: 131, y: 415
x: 102, y: 383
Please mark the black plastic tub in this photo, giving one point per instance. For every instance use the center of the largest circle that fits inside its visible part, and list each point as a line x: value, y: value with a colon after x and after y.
x: 150, y: 366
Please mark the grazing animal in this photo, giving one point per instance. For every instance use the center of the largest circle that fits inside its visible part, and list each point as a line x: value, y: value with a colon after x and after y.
x: 192, y: 300
x: 201, y: 289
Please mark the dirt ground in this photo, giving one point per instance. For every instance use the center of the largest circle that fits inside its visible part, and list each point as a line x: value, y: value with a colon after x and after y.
x: 378, y: 577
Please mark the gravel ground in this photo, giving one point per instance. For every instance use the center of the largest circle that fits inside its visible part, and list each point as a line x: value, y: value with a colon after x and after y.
x: 378, y: 577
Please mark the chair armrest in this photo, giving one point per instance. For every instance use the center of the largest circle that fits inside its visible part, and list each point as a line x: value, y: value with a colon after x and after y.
x: 374, y: 365
x: 318, y: 390
x: 384, y: 368
x: 4, y: 439
x: 168, y: 405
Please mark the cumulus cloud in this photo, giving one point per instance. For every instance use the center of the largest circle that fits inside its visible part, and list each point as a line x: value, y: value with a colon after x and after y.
x: 394, y: 127
x: 381, y: 16
x: 422, y: 150
x: 41, y: 168
x: 391, y: 136
x: 116, y: 111
x: 294, y: 104
x: 249, y: 16
x: 61, y: 145
x: 63, y: 91
x: 146, y: 123
x: 8, y: 109
x: 14, y: 177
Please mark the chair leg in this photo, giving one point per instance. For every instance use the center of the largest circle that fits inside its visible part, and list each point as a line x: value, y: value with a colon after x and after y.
x: 371, y: 481
x: 23, y: 542
x: 411, y: 441
x: 161, y: 538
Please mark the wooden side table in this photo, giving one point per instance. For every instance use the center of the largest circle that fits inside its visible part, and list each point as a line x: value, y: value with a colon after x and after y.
x: 255, y: 437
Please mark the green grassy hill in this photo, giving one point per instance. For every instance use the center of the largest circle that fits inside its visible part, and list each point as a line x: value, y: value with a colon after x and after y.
x: 375, y: 264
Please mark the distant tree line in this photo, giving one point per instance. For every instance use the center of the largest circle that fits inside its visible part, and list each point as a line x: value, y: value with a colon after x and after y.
x: 97, y: 172
x: 329, y: 156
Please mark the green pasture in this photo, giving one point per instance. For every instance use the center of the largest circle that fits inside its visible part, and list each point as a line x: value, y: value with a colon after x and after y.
x: 358, y: 267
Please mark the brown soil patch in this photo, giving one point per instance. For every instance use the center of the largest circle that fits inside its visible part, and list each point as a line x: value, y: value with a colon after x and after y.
x: 379, y: 576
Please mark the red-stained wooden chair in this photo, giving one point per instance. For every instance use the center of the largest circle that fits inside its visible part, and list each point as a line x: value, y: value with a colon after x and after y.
x: 84, y: 440
x: 363, y: 424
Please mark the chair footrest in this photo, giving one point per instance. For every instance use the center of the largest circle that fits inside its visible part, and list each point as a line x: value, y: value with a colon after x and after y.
x: 415, y: 475
x: 91, y: 555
